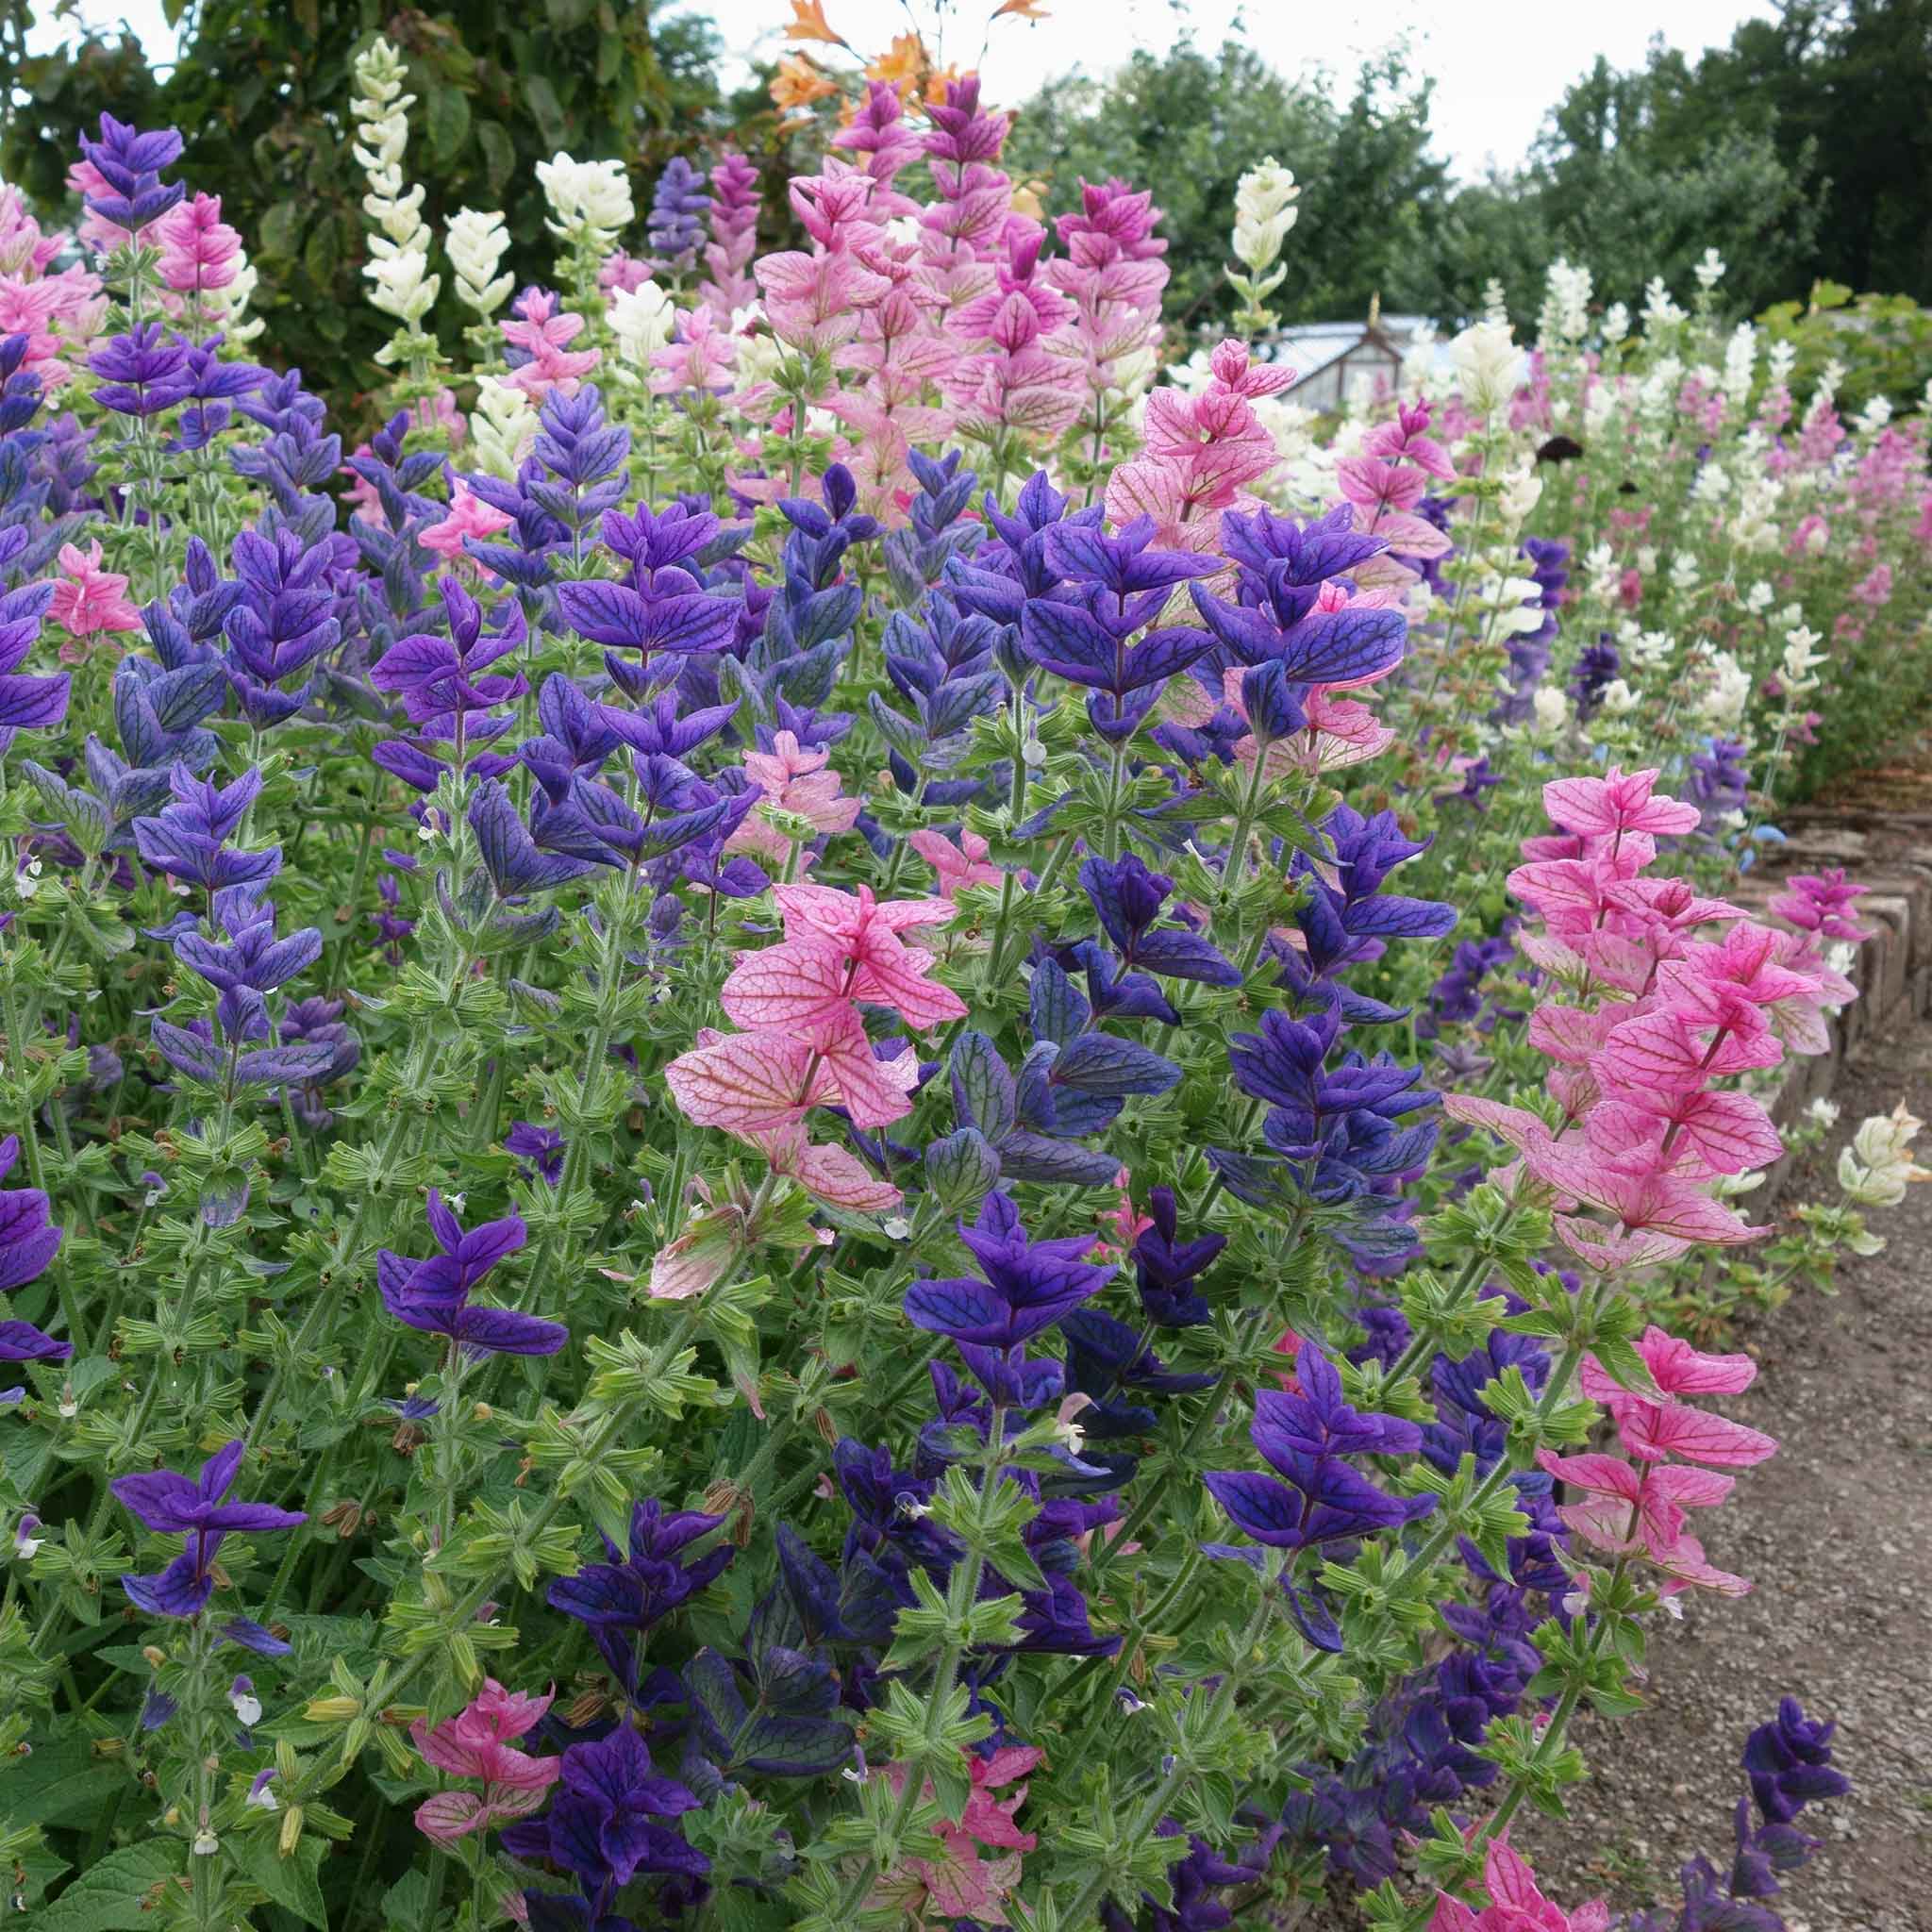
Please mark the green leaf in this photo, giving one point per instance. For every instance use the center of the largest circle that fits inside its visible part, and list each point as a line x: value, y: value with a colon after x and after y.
x: 113, y: 1895
x: 282, y: 231
x: 499, y: 154
x: 448, y: 120
x: 545, y: 110
x: 69, y: 1785
x: 406, y: 1902
x: 566, y: 14
x: 290, y: 1881
x: 323, y: 255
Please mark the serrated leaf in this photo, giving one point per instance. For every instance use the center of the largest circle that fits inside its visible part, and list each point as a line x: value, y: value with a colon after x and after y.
x: 112, y: 1894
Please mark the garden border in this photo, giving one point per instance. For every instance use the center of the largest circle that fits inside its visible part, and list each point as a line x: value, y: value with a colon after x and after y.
x: 1893, y: 970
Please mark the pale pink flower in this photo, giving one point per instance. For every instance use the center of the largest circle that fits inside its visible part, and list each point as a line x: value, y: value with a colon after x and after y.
x: 797, y: 781
x: 89, y: 600
x: 468, y: 516
x: 476, y: 1744
x: 839, y: 948
x: 964, y: 864
x: 199, y: 251
x: 544, y: 334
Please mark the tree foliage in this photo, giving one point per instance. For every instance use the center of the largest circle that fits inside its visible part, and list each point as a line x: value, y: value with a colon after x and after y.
x: 257, y: 94
x: 1193, y: 122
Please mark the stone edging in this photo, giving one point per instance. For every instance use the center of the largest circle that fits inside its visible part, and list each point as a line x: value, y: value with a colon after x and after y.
x: 1893, y: 970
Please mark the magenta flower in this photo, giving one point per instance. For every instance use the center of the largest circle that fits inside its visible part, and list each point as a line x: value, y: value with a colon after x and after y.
x: 1516, y: 1902
x: 1618, y: 802
x: 1822, y: 903
x: 1655, y: 1428
x: 476, y: 1743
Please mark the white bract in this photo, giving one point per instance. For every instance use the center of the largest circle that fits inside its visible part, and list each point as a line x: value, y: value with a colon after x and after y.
x: 477, y: 243
x: 1488, y: 365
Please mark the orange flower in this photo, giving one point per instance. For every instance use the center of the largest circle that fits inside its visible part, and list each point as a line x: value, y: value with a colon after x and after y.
x: 1020, y: 9
x: 936, y: 84
x: 905, y: 66
x: 808, y: 23
x: 799, y: 83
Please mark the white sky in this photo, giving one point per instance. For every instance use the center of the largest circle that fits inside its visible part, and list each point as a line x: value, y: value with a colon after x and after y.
x: 1499, y: 64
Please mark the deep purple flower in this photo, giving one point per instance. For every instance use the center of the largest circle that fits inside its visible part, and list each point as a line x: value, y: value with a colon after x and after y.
x: 439, y: 679
x: 540, y: 1148
x: 619, y: 1600
x: 252, y: 956
x: 515, y: 863
x: 27, y: 702
x: 1167, y: 1269
x: 130, y: 162
x: 1029, y: 1285
x: 185, y: 838
x: 609, y: 1821
x: 1130, y: 899
x: 1788, y: 1761
x: 140, y: 369
x: 29, y: 1240
x: 1303, y: 1437
x: 434, y: 1295
x: 177, y: 1505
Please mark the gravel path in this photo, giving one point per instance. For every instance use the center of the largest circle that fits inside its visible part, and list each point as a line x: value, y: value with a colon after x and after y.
x: 1835, y: 1528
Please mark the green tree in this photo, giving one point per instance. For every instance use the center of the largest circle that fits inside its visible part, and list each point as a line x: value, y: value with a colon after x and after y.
x: 1801, y: 151
x: 1193, y: 123
x: 260, y: 94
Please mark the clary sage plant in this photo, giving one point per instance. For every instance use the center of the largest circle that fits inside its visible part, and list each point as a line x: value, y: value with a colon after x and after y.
x: 842, y: 1121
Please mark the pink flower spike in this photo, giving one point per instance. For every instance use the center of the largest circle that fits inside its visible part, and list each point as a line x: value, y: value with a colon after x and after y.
x: 90, y: 600
x: 1618, y: 802
x: 1653, y: 1430
x: 964, y: 864
x: 1516, y: 1902
x: 474, y: 1744
x: 468, y: 516
x: 1676, y: 1368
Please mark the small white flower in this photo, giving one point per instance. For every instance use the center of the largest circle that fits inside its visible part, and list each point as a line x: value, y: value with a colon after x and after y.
x: 1551, y: 708
x: 244, y: 1702
x: 1825, y: 1113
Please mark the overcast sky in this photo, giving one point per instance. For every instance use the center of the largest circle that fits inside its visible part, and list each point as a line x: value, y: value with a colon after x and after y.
x: 1499, y: 64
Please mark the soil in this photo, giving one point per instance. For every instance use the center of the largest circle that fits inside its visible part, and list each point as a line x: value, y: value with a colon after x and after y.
x: 1834, y: 1529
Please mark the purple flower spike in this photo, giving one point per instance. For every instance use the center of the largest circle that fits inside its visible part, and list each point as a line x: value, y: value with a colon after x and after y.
x: 434, y: 1295
x: 1303, y: 1437
x: 174, y: 1505
x: 1029, y: 1285
x: 29, y: 1240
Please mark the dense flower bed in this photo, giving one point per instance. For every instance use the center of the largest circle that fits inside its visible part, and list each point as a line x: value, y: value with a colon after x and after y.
x: 843, y: 1124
